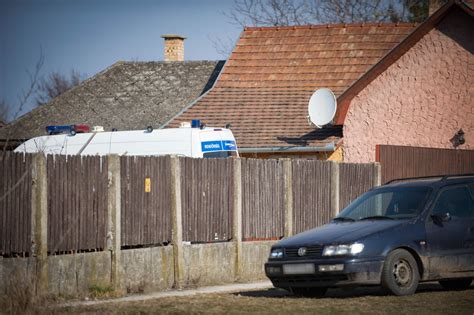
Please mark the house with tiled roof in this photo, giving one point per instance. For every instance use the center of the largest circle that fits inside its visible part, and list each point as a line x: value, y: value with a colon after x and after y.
x: 125, y: 96
x: 395, y: 84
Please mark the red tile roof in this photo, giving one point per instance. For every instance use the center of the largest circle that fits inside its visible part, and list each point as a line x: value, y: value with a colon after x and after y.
x: 266, y: 84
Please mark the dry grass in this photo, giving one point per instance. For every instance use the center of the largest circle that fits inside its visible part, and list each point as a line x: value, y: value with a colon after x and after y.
x: 20, y: 297
x: 102, y: 291
x: 430, y: 299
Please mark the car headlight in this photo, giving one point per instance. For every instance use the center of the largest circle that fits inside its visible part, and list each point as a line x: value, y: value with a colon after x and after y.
x: 276, y: 253
x: 341, y: 250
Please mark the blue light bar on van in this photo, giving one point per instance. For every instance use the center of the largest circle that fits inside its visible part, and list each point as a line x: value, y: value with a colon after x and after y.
x: 195, y: 123
x: 54, y: 130
x: 71, y: 129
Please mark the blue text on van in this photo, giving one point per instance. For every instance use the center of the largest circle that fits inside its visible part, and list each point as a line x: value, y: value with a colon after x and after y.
x: 224, y: 145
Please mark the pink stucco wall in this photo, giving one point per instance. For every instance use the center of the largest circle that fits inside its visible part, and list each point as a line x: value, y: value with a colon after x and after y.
x: 423, y: 99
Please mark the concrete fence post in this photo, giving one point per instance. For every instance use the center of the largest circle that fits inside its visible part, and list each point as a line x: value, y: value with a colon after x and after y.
x: 237, y: 216
x: 378, y: 174
x: 39, y: 221
x: 335, y: 188
x: 177, y: 222
x: 288, y: 184
x: 377, y: 169
x: 114, y: 220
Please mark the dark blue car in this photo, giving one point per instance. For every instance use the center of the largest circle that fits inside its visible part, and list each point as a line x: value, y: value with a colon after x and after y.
x: 395, y: 235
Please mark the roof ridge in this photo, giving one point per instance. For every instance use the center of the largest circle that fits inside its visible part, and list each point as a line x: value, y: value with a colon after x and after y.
x: 335, y: 25
x: 166, y: 62
x: 64, y: 94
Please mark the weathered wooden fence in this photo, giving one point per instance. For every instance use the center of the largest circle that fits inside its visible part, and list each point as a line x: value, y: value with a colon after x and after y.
x: 311, y: 194
x: 355, y: 179
x: 207, y: 198
x: 145, y: 200
x: 403, y: 161
x: 77, y: 203
x: 263, y: 191
x: 278, y: 198
x: 15, y: 204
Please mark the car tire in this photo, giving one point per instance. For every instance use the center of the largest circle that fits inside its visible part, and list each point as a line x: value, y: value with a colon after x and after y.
x: 456, y: 284
x: 400, y: 274
x: 309, y: 292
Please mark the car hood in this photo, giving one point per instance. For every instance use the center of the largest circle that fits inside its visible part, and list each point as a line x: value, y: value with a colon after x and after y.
x: 339, y: 233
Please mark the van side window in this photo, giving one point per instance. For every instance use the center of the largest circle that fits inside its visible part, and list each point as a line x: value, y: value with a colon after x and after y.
x: 456, y: 201
x: 219, y: 154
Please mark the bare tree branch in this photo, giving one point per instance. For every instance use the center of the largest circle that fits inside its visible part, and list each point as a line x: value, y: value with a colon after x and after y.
x: 55, y: 84
x: 301, y: 12
x: 298, y: 12
x: 3, y: 112
x: 26, y: 94
x: 222, y: 46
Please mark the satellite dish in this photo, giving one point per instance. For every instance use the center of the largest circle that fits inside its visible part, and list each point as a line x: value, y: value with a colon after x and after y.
x: 322, y: 107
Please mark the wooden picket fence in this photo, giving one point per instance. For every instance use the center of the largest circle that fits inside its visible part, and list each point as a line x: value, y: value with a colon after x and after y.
x: 146, y: 215
x: 77, y: 203
x: 405, y: 161
x: 78, y: 188
x: 15, y: 204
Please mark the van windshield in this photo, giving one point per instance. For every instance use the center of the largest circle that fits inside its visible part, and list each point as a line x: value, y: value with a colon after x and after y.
x: 390, y: 203
x: 219, y: 154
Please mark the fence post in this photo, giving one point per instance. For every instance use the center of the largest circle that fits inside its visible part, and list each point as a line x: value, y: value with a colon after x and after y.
x: 335, y: 188
x: 176, y: 216
x: 114, y: 220
x: 378, y: 174
x: 287, y: 175
x: 237, y: 216
x: 39, y: 221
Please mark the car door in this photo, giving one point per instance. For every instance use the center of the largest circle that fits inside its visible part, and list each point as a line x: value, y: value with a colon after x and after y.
x: 449, y: 255
x: 469, y: 241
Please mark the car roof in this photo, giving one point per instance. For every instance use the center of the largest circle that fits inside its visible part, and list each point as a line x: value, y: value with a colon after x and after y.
x: 432, y: 181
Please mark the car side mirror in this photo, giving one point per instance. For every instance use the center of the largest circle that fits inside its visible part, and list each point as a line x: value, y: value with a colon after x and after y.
x: 442, y: 217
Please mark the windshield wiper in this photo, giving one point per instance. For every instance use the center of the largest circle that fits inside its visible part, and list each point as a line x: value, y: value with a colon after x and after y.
x: 343, y: 219
x: 376, y: 217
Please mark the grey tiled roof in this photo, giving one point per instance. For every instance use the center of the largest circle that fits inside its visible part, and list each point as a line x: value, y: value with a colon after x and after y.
x: 126, y: 96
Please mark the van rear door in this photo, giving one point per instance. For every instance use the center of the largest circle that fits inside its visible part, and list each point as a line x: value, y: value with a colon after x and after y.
x: 216, y: 142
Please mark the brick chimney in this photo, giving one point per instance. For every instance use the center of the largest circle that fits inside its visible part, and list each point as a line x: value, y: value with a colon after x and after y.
x: 174, y: 47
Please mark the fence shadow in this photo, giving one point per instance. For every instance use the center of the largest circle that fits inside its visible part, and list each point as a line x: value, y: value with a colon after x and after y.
x: 342, y: 293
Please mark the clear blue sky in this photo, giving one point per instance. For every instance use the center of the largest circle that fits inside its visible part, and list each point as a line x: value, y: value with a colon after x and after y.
x: 90, y: 35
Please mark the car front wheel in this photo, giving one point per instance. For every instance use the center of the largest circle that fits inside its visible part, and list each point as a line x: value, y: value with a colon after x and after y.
x: 400, y: 273
x: 456, y: 284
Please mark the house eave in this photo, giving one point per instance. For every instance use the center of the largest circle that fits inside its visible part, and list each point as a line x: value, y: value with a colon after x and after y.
x: 330, y: 147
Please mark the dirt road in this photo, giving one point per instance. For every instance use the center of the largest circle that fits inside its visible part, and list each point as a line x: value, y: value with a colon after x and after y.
x: 430, y: 299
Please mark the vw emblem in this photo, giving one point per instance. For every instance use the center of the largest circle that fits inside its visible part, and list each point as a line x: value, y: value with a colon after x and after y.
x: 302, y: 251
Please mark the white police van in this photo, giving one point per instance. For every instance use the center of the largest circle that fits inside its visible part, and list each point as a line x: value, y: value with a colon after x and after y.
x: 189, y: 140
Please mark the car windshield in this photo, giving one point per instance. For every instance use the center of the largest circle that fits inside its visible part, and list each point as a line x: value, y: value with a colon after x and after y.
x: 386, y: 204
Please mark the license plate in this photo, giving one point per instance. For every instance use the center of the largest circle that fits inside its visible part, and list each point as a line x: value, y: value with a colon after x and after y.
x: 298, y: 269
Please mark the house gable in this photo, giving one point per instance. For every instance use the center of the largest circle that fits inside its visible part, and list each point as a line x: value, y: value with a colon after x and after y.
x: 423, y: 98
x: 344, y: 100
